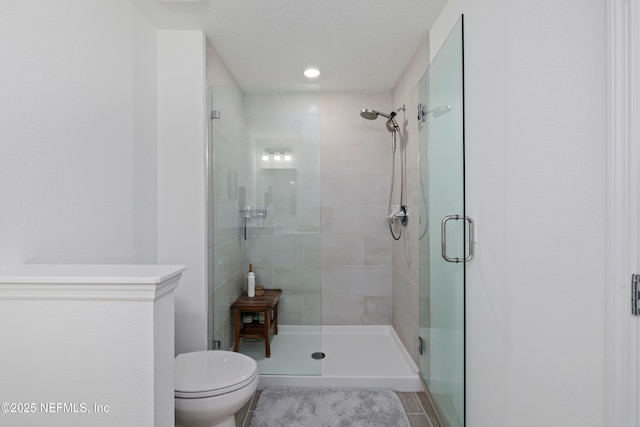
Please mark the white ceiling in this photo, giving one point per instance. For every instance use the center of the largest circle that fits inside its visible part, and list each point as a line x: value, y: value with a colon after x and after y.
x: 359, y: 45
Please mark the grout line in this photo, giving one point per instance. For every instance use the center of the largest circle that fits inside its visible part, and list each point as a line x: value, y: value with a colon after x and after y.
x: 244, y: 420
x: 246, y: 415
x: 426, y: 414
x: 428, y: 419
x: 421, y: 405
x: 247, y: 419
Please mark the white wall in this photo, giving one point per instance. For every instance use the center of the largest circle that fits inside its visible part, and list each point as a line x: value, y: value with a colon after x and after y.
x: 182, y: 177
x: 79, y: 177
x: 77, y: 133
x: 535, y: 144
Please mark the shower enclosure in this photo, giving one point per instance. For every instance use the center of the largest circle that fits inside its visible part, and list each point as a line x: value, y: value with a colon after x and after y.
x: 301, y: 193
x: 444, y: 229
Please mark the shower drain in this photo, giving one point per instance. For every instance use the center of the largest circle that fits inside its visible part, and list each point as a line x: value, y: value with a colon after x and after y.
x: 318, y: 355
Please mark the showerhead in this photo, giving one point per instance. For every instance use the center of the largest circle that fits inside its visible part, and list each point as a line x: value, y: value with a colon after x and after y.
x: 392, y: 125
x: 369, y: 114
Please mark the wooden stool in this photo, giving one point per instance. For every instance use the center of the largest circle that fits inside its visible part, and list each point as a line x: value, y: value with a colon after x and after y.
x: 267, y: 304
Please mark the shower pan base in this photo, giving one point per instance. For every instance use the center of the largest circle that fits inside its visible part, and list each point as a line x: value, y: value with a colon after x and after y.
x: 355, y: 356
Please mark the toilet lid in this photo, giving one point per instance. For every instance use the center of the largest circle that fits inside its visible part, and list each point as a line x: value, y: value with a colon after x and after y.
x: 213, y: 372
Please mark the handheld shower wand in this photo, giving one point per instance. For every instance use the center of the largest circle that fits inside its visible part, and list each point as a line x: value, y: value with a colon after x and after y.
x: 394, y: 129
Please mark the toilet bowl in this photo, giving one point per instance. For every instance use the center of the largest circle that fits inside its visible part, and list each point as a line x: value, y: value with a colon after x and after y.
x: 211, y: 386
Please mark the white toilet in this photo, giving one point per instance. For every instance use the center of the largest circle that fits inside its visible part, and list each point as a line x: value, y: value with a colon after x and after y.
x: 211, y: 386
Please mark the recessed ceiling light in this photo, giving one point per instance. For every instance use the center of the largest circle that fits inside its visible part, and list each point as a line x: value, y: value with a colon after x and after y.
x: 311, y: 72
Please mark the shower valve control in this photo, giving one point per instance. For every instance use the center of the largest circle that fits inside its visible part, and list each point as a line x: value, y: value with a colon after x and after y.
x: 400, y: 212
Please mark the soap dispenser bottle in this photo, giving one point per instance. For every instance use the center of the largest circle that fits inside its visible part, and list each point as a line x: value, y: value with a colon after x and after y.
x: 251, y: 282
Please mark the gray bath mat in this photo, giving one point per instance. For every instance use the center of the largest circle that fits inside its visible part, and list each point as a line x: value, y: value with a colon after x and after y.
x: 328, y: 407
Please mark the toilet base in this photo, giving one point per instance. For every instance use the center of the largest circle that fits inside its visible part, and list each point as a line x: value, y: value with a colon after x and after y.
x: 229, y: 422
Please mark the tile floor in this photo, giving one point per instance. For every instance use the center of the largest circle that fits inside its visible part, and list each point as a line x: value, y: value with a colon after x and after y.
x: 416, y: 405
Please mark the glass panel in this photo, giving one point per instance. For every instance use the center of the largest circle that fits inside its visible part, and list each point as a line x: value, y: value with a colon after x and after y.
x: 226, y: 154
x: 442, y: 179
x: 265, y: 211
x: 282, y: 131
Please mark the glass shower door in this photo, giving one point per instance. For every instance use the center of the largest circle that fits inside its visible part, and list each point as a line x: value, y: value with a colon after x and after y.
x: 444, y: 228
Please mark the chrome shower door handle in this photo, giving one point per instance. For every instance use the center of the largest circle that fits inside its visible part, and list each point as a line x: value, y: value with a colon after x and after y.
x: 443, y: 234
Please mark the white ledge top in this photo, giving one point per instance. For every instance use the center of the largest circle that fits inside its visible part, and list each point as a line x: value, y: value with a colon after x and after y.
x: 89, y: 273
x: 127, y: 282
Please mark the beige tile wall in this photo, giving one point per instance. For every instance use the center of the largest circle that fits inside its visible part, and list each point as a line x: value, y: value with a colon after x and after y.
x: 406, y: 261
x: 345, y: 263
x: 355, y: 245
